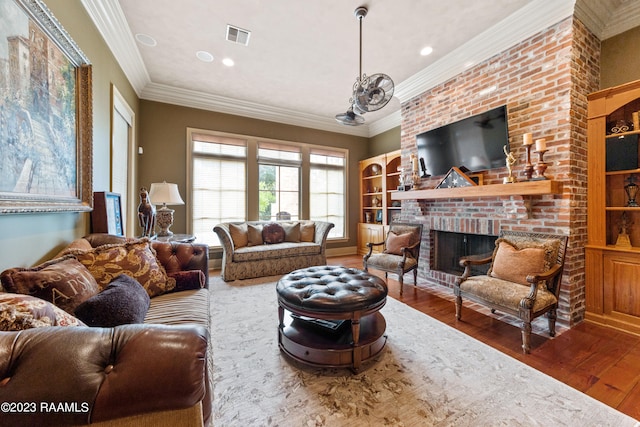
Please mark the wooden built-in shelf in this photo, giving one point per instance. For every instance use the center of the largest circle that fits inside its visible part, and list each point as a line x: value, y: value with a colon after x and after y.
x: 527, y: 188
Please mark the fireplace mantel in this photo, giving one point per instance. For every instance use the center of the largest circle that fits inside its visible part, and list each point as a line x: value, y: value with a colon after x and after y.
x: 527, y: 188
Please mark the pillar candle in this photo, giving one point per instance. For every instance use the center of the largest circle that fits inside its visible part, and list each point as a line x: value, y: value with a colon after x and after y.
x: 541, y: 144
x: 527, y: 139
x: 414, y: 163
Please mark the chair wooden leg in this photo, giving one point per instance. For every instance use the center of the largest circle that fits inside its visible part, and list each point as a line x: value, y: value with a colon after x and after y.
x: 401, y: 283
x: 458, y: 307
x: 551, y: 316
x: 526, y: 337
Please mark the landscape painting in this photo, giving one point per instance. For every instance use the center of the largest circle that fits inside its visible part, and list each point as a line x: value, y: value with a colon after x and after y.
x: 45, y: 133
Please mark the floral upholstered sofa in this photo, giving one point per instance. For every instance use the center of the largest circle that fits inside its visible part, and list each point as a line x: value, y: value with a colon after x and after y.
x: 262, y: 248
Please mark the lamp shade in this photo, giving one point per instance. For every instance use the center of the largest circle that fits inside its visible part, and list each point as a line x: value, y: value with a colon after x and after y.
x: 164, y: 193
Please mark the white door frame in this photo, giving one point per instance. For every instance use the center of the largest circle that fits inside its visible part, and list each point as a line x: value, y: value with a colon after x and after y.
x: 122, y: 109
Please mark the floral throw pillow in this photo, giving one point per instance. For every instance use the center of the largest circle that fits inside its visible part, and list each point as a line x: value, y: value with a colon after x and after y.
x: 18, y: 312
x: 136, y: 259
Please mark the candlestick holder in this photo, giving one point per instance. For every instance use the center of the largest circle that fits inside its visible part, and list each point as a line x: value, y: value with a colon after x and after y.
x: 540, y: 167
x: 528, y: 167
x: 416, y: 180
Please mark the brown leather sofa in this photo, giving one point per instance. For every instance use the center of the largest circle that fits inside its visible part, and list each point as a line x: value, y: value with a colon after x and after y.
x: 154, y: 373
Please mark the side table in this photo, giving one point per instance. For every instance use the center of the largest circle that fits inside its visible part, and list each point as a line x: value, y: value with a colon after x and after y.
x: 178, y: 238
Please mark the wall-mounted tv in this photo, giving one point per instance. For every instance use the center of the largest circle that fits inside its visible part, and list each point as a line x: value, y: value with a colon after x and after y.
x: 475, y: 143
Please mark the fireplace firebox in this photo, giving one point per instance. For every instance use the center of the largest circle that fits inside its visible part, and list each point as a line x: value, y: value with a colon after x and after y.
x: 449, y: 247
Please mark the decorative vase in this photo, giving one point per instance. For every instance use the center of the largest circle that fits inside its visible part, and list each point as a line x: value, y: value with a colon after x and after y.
x: 632, y: 190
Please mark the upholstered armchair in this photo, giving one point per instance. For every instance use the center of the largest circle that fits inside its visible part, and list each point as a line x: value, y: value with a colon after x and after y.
x: 401, y: 252
x: 523, y: 279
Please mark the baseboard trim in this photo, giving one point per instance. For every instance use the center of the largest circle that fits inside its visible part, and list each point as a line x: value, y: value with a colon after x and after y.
x: 344, y: 251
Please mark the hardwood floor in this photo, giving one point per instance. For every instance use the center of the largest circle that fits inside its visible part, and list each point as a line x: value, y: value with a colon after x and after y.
x: 602, y: 362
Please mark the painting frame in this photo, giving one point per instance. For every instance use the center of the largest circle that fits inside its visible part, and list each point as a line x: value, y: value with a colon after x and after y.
x: 62, y: 66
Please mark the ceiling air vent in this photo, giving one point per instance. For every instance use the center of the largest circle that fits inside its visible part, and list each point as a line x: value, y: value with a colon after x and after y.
x: 238, y: 35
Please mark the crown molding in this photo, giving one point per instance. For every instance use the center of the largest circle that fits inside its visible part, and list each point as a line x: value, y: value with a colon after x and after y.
x: 110, y: 21
x: 622, y: 19
x: 520, y: 25
x: 593, y: 14
x: 189, y: 98
x: 385, y: 123
x: 605, y: 22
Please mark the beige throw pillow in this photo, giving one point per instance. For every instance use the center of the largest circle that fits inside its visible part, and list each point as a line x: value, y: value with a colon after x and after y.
x: 396, y: 242
x: 308, y: 232
x: 514, y: 264
x: 239, y: 235
x: 254, y: 234
x: 291, y: 232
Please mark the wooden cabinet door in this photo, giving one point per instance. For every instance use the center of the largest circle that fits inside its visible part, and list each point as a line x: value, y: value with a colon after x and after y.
x: 369, y: 233
x: 621, y: 286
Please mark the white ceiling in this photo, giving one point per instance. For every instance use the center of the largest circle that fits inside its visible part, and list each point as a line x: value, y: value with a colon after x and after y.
x: 302, y: 57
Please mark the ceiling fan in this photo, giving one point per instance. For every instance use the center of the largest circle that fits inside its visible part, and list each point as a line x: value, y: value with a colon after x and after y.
x: 370, y: 93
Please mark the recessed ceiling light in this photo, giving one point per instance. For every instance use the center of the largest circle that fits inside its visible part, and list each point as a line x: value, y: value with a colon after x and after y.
x: 204, y: 56
x: 228, y: 62
x: 146, y: 40
x: 426, y: 51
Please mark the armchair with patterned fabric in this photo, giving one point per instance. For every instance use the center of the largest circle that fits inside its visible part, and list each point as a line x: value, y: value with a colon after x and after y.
x: 401, y: 252
x: 523, y: 279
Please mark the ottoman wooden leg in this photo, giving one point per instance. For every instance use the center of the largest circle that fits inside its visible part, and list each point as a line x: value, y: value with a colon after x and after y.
x: 357, y: 350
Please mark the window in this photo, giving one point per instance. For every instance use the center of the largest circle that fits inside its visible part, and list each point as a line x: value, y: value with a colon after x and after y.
x: 218, y: 184
x: 239, y: 178
x: 327, y: 192
x: 279, y: 181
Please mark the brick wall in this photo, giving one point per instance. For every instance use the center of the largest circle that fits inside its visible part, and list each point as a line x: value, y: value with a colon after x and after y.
x: 544, y: 82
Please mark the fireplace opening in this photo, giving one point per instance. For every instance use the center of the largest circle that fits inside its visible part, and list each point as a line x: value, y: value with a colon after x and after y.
x: 449, y: 247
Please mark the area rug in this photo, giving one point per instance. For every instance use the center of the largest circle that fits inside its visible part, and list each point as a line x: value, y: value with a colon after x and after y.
x: 428, y: 375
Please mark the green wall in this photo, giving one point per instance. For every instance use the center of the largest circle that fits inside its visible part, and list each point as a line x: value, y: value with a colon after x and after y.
x: 27, y: 239
x: 384, y: 142
x: 163, y: 133
x: 619, y: 61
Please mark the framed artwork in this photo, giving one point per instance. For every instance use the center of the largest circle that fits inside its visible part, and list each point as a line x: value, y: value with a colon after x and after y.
x: 106, y: 216
x: 455, y: 178
x: 45, y: 113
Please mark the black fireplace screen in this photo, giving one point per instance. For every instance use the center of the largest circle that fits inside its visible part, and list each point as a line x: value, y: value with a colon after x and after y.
x: 449, y: 247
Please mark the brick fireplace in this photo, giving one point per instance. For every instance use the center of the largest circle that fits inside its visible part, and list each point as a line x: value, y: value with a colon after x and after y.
x: 543, y: 81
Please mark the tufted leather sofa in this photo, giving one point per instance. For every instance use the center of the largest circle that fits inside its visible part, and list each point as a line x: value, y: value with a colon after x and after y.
x: 154, y: 373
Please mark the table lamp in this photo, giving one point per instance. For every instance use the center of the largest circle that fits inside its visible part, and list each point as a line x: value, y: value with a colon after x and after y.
x: 165, y: 194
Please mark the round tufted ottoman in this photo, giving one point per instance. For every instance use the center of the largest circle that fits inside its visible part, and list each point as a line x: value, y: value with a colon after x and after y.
x: 329, y: 316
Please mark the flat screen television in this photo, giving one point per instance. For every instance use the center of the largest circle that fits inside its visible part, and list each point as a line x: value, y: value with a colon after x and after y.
x: 475, y: 143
